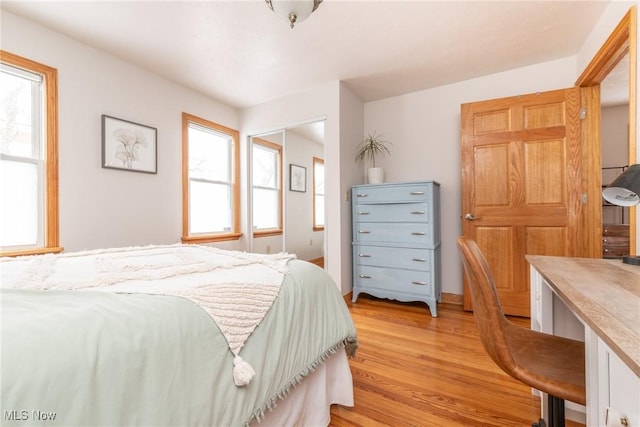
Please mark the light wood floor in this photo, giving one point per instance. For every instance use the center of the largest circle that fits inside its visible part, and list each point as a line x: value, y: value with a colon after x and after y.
x: 415, y: 370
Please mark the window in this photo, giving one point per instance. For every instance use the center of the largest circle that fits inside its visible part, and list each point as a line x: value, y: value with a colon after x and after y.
x: 318, y: 194
x: 28, y: 157
x: 210, y: 176
x: 267, y: 188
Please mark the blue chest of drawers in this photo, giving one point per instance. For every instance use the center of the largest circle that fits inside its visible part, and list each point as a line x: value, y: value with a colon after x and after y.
x: 396, y: 242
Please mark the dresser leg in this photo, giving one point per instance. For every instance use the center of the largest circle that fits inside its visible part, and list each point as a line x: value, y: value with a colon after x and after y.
x: 433, y: 308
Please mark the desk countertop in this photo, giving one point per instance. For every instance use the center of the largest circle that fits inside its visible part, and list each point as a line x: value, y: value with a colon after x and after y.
x: 604, y: 294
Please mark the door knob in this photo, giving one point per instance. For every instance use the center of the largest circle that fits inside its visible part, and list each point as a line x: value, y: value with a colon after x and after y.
x: 470, y: 217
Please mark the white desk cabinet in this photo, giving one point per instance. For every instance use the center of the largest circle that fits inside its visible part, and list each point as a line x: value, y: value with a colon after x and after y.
x: 396, y: 242
x: 597, y: 301
x: 618, y: 397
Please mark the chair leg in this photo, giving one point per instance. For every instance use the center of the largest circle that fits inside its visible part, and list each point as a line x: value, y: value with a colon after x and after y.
x: 556, y: 411
x: 540, y: 423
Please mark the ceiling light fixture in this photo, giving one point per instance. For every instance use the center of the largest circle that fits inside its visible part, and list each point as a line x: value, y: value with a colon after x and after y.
x: 293, y: 11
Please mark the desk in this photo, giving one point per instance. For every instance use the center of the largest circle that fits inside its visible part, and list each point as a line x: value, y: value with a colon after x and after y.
x: 604, y: 297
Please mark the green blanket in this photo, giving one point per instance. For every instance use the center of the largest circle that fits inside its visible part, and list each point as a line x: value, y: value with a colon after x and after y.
x: 84, y: 358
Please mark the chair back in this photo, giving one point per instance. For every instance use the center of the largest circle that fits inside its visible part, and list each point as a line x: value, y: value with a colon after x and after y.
x: 488, y: 314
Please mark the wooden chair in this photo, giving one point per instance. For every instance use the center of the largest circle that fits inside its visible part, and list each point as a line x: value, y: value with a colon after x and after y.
x: 548, y: 363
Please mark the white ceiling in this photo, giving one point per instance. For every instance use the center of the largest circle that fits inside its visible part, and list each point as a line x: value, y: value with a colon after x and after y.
x: 242, y: 54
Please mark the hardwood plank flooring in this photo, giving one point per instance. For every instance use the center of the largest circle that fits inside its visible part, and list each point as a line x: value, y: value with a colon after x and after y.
x: 415, y: 370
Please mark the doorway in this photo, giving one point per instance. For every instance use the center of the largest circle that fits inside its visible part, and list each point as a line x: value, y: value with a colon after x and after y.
x: 619, y: 47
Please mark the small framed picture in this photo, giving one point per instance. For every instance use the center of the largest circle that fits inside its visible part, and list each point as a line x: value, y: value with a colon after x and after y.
x: 297, y: 178
x: 128, y: 146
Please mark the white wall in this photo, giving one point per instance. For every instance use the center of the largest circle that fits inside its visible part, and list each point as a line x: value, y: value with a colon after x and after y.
x: 424, y: 128
x: 351, y: 133
x: 105, y: 207
x: 615, y: 135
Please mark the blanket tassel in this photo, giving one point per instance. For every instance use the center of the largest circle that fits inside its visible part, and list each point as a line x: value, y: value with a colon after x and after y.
x: 242, y: 372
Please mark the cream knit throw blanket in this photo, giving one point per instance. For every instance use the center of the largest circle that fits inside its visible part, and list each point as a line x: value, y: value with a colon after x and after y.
x: 236, y: 289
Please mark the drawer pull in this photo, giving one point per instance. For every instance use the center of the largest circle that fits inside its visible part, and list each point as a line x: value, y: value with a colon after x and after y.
x: 363, y: 213
x: 419, y: 259
x: 417, y: 193
x: 418, y: 233
x: 364, y: 276
x: 417, y: 213
x: 364, y: 256
x: 363, y: 232
x: 362, y: 195
x: 416, y: 282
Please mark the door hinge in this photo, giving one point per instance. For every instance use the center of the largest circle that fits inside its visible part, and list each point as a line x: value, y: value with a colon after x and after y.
x: 583, y: 113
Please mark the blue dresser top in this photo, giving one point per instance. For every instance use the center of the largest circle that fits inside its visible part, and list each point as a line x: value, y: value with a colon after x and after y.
x: 392, y: 184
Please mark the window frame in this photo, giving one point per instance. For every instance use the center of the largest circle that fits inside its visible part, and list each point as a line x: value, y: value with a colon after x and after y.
x: 317, y: 160
x: 235, y: 233
x: 50, y: 208
x: 278, y: 149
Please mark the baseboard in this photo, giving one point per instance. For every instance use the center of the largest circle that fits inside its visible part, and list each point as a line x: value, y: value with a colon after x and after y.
x: 452, y: 298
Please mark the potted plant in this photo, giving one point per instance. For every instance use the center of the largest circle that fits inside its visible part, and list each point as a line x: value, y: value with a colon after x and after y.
x: 373, y: 144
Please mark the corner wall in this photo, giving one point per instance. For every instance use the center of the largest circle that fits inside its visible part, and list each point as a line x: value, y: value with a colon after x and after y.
x: 99, y: 207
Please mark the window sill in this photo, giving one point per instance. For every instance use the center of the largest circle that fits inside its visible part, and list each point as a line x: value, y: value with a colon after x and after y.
x: 318, y: 228
x: 37, y: 251
x: 211, y: 238
x: 267, y: 233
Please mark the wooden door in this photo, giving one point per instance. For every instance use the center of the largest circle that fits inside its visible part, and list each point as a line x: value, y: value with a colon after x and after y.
x: 521, y: 185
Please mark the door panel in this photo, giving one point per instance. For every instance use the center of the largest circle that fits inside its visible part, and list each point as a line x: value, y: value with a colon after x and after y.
x: 491, y: 169
x: 544, y: 116
x: 521, y: 185
x: 546, y: 241
x: 545, y: 171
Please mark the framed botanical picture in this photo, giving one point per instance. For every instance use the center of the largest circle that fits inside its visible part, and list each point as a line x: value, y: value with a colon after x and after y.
x: 128, y: 146
x: 297, y: 178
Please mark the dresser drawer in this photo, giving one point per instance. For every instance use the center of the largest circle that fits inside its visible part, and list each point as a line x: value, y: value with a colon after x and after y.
x: 405, y: 258
x: 615, y: 246
x: 413, y: 234
x: 389, y: 279
x: 399, y: 212
x: 392, y: 193
x: 615, y: 230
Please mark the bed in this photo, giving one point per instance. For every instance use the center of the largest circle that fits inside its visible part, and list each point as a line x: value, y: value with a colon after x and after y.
x: 171, y: 335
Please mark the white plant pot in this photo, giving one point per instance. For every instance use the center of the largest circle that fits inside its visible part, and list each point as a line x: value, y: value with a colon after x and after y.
x: 375, y: 175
